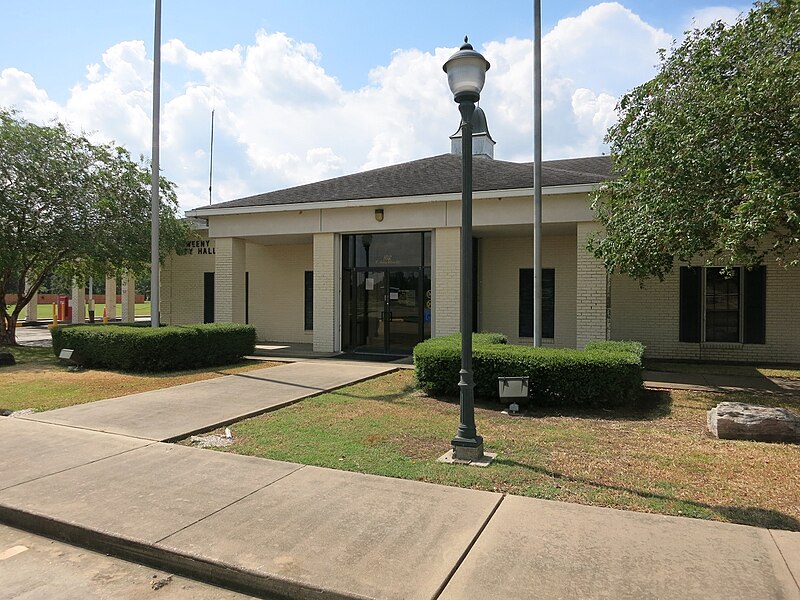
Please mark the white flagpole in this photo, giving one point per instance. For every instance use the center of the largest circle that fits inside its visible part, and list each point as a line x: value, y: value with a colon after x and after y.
x: 537, y: 173
x: 155, y: 196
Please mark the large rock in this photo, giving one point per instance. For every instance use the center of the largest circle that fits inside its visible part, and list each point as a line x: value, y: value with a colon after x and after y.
x: 739, y: 421
x: 7, y: 359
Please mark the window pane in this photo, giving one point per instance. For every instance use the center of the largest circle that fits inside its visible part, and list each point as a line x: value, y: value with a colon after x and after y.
x: 389, y: 249
x: 722, y: 305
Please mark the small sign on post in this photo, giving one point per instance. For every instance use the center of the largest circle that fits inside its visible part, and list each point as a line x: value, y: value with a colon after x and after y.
x: 513, y: 389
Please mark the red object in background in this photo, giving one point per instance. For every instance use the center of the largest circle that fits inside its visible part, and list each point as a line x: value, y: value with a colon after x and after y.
x: 64, y: 308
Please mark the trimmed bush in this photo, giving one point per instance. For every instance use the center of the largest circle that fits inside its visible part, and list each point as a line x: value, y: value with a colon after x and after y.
x: 604, y: 375
x: 174, y: 348
x: 636, y: 348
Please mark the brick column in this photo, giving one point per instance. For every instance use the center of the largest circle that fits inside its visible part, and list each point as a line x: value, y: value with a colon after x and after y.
x: 31, y: 316
x: 229, y: 270
x: 326, y: 301
x: 78, y: 303
x: 446, y: 281
x: 111, y: 298
x: 128, y: 298
x: 591, y: 290
x: 165, y: 295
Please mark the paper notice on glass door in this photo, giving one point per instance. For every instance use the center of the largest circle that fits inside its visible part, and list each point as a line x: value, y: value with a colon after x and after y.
x: 369, y: 283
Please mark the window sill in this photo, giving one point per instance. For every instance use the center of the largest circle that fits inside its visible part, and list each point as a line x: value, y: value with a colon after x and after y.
x: 722, y: 345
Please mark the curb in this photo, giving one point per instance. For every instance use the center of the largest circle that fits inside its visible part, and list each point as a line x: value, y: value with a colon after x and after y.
x: 152, y: 555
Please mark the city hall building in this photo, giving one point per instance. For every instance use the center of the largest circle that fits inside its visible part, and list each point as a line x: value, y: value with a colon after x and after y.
x: 370, y: 263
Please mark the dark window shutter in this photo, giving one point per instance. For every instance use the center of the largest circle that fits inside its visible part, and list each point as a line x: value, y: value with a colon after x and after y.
x: 754, y: 305
x: 308, y: 321
x: 548, y: 303
x: 526, y: 302
x: 208, y: 297
x: 690, y: 303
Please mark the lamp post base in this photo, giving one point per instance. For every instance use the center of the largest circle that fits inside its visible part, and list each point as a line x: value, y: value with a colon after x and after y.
x: 467, y: 449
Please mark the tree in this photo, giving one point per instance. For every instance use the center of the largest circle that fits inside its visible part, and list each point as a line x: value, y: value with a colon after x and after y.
x: 707, y: 153
x: 73, y: 207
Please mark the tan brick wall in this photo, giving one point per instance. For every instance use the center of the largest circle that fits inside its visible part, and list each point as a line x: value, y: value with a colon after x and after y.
x: 591, y: 290
x: 446, y: 282
x: 498, y: 291
x: 229, y: 265
x: 325, y: 292
x: 277, y: 286
x: 650, y: 314
x: 181, y: 296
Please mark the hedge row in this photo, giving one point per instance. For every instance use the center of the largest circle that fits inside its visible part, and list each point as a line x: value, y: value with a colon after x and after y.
x: 174, y: 348
x: 605, y: 374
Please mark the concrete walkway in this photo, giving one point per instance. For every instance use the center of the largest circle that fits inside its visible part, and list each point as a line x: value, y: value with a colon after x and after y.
x: 720, y: 383
x: 268, y: 527
x: 179, y: 411
x: 96, y: 475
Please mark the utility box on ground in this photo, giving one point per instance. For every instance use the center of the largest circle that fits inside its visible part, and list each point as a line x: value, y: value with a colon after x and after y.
x: 513, y: 389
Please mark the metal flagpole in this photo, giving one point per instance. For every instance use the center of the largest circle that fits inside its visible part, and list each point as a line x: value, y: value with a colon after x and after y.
x: 211, y: 161
x: 537, y: 173
x: 154, y: 199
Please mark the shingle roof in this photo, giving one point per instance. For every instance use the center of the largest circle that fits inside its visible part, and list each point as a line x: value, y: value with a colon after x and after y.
x: 435, y: 175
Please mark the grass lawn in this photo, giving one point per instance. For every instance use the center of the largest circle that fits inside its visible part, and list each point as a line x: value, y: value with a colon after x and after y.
x: 45, y: 311
x: 657, y: 458
x: 42, y: 382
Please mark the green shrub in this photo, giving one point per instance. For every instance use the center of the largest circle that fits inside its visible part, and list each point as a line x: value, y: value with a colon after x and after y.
x: 605, y: 375
x: 136, y: 348
x: 636, y: 348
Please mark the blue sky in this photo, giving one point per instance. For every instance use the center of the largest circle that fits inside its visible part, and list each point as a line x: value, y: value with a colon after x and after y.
x: 350, y: 85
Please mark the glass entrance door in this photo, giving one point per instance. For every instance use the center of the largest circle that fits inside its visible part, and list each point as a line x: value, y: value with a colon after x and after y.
x: 371, y: 307
x: 404, y: 306
x: 386, y: 292
x: 389, y: 312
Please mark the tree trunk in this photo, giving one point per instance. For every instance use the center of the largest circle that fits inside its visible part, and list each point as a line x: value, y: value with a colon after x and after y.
x: 8, y: 333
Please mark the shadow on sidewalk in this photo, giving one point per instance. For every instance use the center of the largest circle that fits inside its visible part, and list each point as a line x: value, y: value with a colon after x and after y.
x: 743, y: 515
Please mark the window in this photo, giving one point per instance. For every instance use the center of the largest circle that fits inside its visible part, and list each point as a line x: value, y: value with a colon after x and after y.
x: 308, y: 301
x: 526, y: 302
x: 723, y: 307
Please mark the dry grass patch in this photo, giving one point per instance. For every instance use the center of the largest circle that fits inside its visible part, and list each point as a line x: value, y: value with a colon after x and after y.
x: 42, y: 382
x: 657, y: 458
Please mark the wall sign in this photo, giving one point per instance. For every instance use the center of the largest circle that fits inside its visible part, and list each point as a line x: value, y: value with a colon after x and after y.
x: 200, y: 247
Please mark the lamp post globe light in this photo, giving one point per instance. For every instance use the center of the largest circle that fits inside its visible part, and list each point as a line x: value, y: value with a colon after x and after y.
x: 466, y: 73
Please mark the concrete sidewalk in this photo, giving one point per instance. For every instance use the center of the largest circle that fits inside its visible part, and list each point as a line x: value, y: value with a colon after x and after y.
x: 96, y: 475
x: 719, y: 383
x: 268, y: 527
x: 176, y: 412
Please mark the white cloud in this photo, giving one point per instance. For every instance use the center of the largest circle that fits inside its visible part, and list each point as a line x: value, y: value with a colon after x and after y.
x: 18, y: 89
x: 281, y: 120
x: 588, y: 62
x: 704, y: 17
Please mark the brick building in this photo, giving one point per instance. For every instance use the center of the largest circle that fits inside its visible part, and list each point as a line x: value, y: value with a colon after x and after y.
x: 369, y: 262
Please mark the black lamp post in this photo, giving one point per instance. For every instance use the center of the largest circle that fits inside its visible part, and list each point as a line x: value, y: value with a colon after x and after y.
x: 466, y: 73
